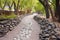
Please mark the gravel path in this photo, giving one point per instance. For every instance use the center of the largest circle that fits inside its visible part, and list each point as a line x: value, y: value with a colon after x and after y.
x: 28, y: 29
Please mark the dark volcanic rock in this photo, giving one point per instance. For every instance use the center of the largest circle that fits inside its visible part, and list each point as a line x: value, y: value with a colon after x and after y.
x: 48, y: 29
x: 8, y: 25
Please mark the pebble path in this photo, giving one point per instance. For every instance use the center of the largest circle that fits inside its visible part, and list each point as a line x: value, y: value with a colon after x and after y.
x: 28, y: 29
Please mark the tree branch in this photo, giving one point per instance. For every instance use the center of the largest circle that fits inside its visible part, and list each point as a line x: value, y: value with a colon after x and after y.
x: 42, y: 2
x: 14, y: 5
x: 4, y: 5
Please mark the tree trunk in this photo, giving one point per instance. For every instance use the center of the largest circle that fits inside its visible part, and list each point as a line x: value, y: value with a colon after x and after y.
x: 47, y: 12
x: 57, y: 14
x: 16, y: 7
x: 46, y: 6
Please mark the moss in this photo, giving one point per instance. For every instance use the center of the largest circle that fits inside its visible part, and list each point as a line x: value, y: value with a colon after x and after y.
x: 8, y: 16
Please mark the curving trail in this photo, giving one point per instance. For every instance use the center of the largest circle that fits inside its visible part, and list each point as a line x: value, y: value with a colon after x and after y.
x: 28, y: 29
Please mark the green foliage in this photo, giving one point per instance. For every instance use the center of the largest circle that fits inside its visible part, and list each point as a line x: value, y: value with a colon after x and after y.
x: 39, y: 7
x: 52, y: 4
x: 25, y: 4
x: 34, y: 5
x: 2, y: 3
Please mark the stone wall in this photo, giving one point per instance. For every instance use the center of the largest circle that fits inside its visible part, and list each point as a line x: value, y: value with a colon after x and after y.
x: 48, y: 30
x: 8, y: 25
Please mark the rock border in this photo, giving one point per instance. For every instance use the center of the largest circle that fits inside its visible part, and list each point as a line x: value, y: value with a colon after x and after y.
x: 48, y: 30
x: 8, y: 25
